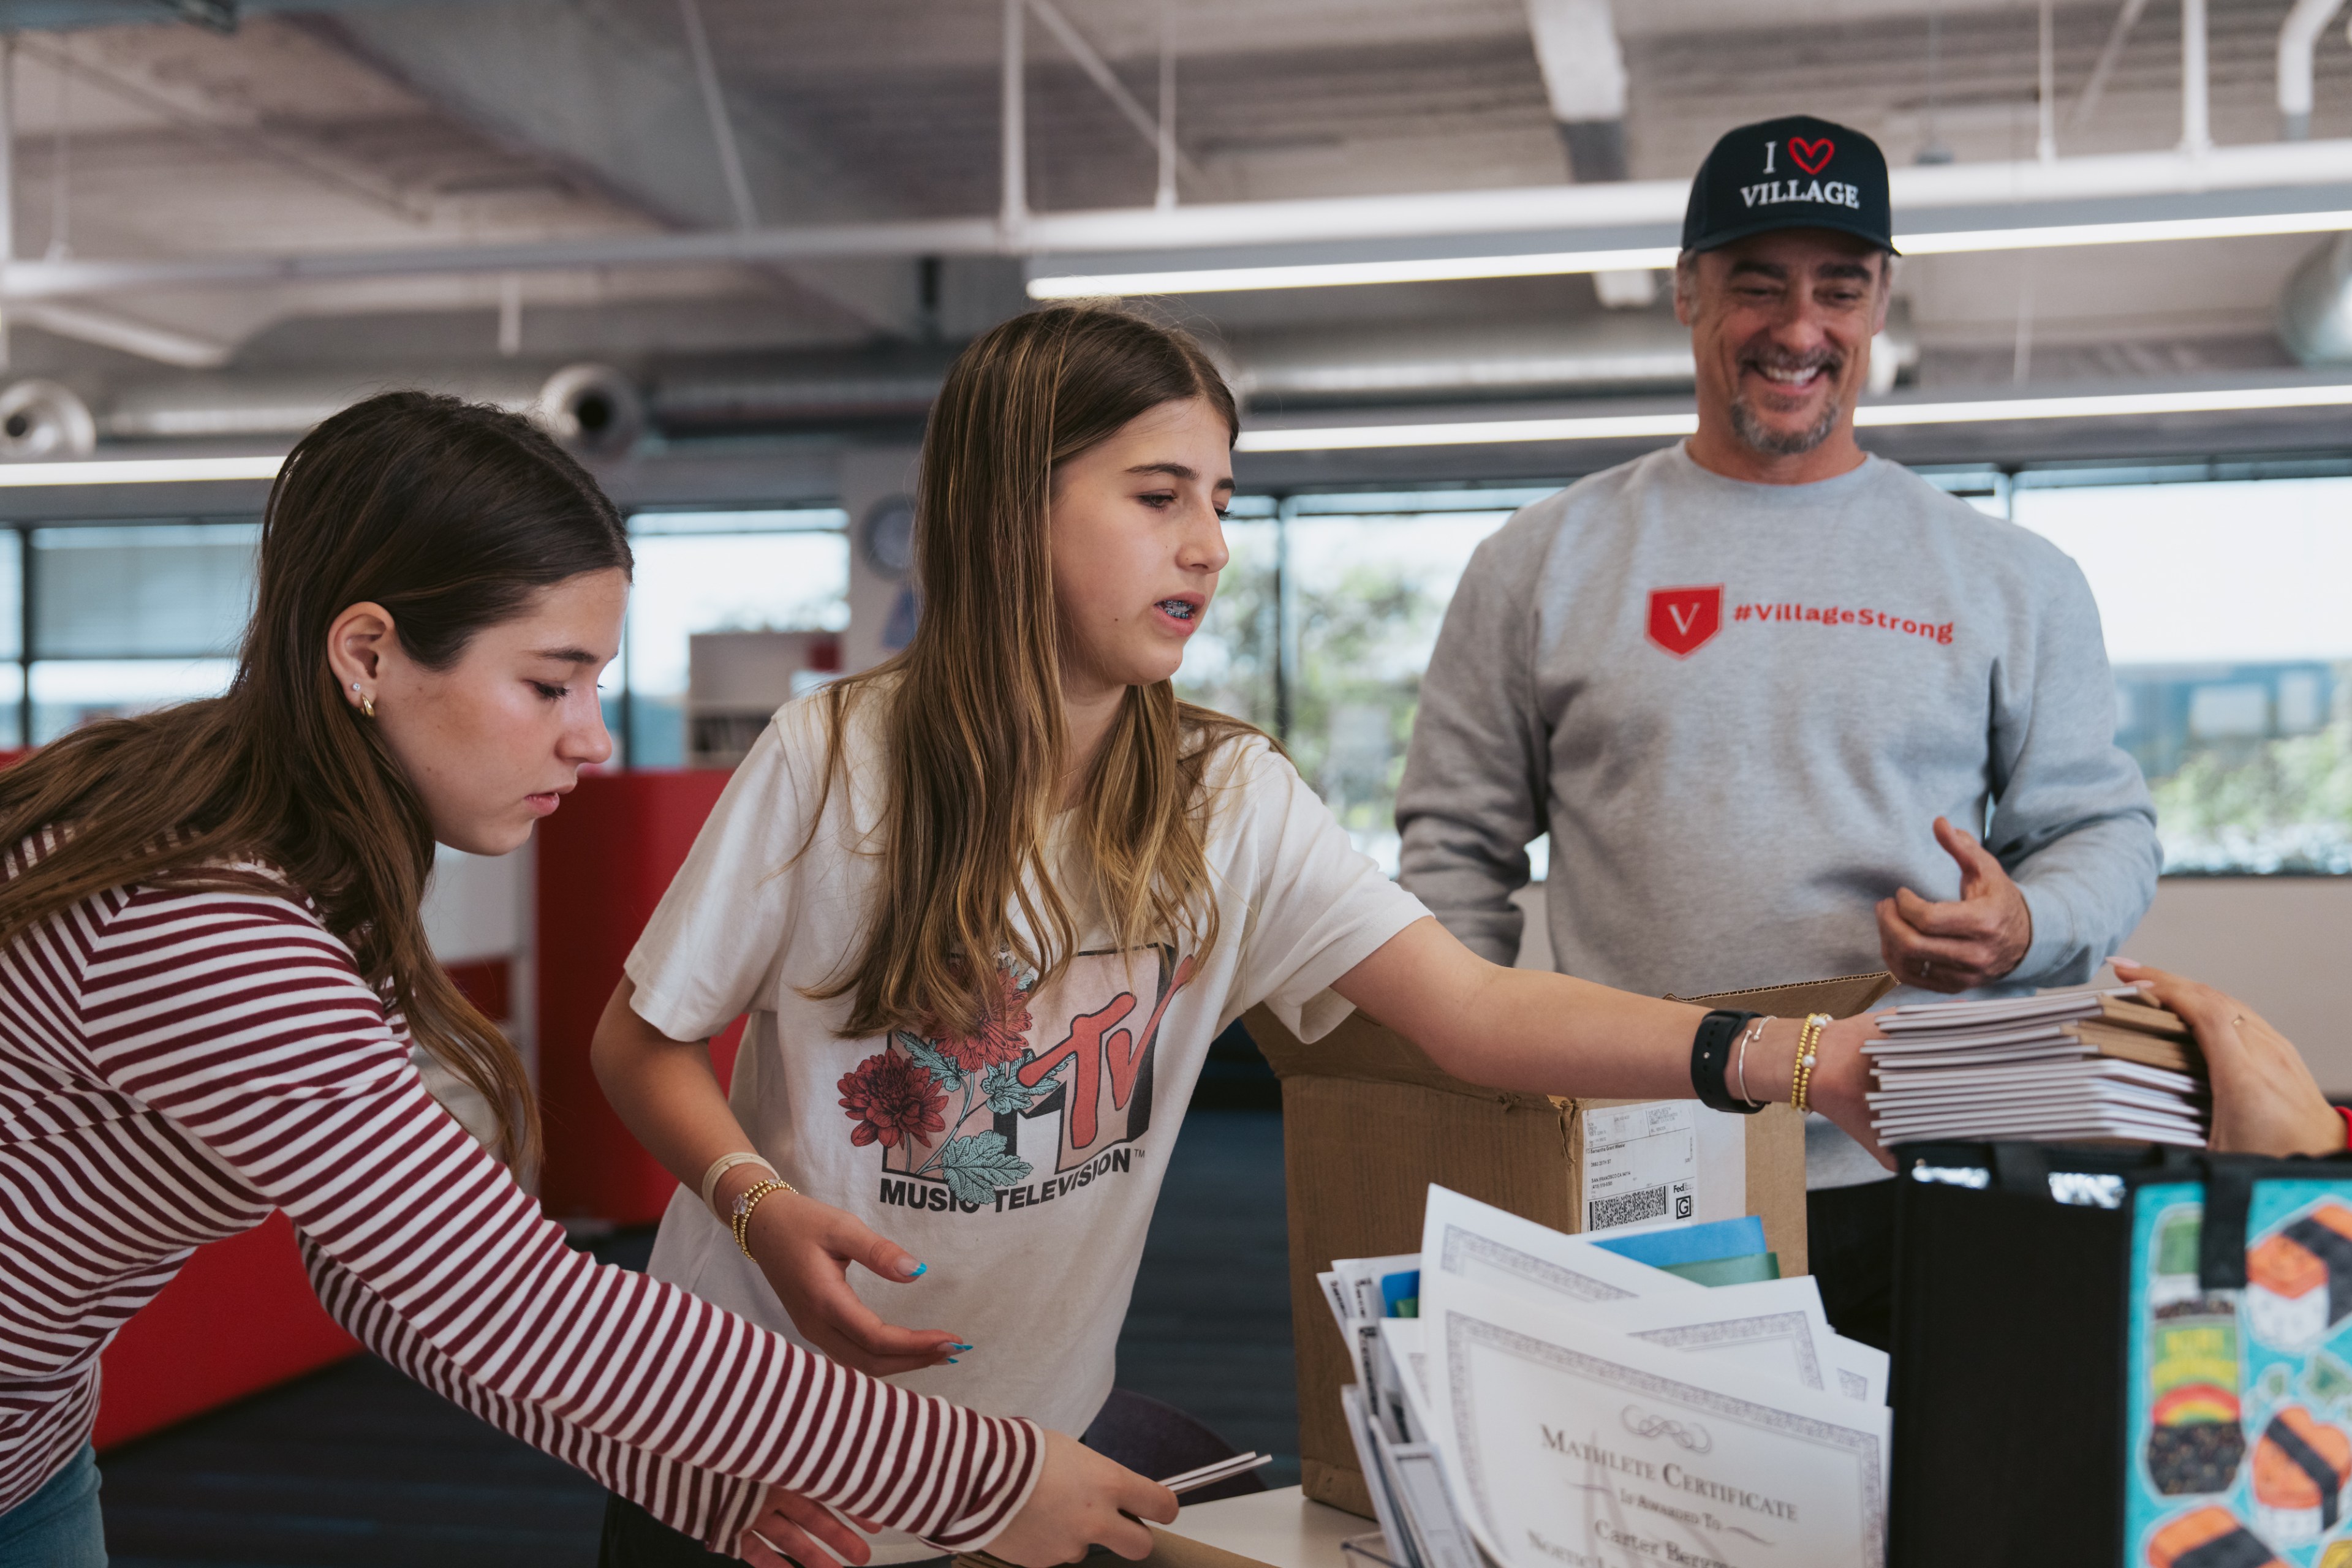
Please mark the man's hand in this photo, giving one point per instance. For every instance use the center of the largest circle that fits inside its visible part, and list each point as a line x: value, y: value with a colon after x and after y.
x: 805, y: 1249
x: 1959, y: 945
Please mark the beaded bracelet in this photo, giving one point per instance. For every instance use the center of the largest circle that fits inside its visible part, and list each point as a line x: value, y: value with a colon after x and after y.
x: 1801, y: 1078
x: 753, y: 1197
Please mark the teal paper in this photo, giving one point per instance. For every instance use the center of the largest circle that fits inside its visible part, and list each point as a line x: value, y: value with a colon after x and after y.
x: 1741, y: 1238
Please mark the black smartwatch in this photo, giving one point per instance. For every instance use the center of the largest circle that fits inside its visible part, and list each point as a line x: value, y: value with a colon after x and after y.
x: 1711, y: 1059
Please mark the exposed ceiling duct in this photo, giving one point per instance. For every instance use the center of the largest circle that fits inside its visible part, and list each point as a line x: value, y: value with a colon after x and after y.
x: 2316, y: 310
x: 600, y: 411
x: 42, y: 421
x: 2298, y: 36
x: 594, y: 410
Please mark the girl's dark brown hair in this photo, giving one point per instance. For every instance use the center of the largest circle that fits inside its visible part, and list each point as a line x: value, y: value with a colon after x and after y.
x: 971, y: 713
x: 451, y: 515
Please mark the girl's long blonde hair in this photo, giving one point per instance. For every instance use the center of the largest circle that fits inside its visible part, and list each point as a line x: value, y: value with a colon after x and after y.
x: 971, y: 713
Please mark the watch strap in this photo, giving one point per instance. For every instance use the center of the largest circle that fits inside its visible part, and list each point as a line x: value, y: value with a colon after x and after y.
x: 1711, y: 1061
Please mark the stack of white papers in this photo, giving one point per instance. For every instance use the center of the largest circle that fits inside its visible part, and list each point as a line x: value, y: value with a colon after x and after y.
x: 2077, y: 1066
x: 1553, y: 1402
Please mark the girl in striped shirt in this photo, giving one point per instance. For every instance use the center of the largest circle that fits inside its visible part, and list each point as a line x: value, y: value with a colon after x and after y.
x: 987, y: 904
x: 213, y: 973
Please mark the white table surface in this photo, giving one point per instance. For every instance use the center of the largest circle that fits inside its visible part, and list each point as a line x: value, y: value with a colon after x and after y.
x: 1279, y: 1528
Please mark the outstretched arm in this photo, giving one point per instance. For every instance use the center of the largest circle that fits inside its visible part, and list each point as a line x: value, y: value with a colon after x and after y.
x: 1077, y: 1499
x: 269, y: 1048
x: 1554, y: 1034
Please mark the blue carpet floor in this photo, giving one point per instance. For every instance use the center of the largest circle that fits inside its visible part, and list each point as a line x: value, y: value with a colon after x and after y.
x: 357, y: 1468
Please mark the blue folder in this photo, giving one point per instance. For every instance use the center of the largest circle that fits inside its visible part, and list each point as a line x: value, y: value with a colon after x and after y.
x: 1705, y: 1243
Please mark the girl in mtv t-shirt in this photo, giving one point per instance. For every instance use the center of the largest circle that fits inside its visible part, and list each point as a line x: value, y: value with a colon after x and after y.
x: 987, y: 904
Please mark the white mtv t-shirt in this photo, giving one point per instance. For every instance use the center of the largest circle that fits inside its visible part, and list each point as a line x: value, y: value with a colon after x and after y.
x: 1021, y: 1164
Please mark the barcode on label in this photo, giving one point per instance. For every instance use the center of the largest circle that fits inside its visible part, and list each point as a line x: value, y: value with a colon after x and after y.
x: 1625, y: 1209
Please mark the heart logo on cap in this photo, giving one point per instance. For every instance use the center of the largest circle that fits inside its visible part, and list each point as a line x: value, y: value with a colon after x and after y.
x: 1812, y: 157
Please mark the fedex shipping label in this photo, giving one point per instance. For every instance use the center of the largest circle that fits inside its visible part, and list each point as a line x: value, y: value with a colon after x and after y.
x: 1640, y: 1164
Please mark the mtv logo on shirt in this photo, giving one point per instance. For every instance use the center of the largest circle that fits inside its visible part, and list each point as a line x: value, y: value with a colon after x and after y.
x: 980, y: 1113
x: 1683, y: 619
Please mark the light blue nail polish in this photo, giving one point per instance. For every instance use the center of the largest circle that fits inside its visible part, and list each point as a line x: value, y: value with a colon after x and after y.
x: 958, y: 1347
x: 952, y: 1361
x: 919, y: 1269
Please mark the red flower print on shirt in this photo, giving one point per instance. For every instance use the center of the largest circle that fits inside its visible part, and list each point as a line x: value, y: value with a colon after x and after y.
x: 890, y: 1099
x: 1004, y: 1031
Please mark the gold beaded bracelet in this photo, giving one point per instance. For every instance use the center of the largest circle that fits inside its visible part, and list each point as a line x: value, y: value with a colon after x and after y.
x: 750, y: 1198
x: 1802, y: 1080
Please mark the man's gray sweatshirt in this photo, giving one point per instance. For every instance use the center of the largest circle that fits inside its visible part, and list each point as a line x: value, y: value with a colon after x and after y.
x: 1737, y: 709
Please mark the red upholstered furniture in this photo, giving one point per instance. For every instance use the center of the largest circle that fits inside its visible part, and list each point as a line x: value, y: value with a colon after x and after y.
x: 605, y: 861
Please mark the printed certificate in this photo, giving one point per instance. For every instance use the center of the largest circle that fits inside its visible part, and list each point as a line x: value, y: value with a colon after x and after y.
x: 1775, y: 1327
x: 1571, y: 1445
x: 1471, y: 1242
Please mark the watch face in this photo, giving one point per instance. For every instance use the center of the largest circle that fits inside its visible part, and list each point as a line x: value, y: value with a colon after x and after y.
x: 886, y: 537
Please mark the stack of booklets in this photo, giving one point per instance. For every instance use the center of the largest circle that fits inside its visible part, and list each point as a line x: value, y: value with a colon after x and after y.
x: 1530, y: 1398
x: 2072, y: 1066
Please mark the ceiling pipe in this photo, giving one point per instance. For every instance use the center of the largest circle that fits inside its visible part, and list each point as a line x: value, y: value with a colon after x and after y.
x: 1013, y: 131
x: 2298, y: 38
x: 2196, y: 108
x: 600, y: 411
x: 2316, y: 306
x: 1516, y: 209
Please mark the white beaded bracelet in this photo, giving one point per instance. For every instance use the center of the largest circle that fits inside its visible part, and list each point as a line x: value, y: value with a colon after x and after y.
x: 721, y: 1166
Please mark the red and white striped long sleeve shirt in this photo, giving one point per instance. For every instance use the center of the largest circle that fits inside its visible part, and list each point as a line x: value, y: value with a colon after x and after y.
x: 176, y: 1063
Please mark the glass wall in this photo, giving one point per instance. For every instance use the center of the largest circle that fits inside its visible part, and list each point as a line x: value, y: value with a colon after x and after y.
x: 717, y: 571
x: 12, y: 639
x: 123, y: 618
x: 2221, y: 597
x: 2221, y: 602
x: 2223, y: 606
x: 1324, y: 621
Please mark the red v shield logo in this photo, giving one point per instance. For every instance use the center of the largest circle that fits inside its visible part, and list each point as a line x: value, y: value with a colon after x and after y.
x: 1684, y: 619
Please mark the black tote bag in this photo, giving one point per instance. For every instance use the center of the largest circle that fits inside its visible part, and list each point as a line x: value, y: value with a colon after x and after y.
x: 2121, y: 1358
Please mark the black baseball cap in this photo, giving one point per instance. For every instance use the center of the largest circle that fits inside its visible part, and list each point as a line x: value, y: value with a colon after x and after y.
x: 1794, y: 173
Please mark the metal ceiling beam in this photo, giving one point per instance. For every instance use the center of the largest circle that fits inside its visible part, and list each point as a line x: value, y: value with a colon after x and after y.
x: 586, y: 83
x: 1089, y: 59
x: 2023, y: 193
x: 61, y: 15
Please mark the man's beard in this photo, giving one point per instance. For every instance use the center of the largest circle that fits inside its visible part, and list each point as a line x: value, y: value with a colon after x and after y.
x: 1751, y: 428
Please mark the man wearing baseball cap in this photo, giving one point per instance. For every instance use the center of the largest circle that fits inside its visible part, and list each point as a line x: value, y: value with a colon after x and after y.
x: 1786, y: 710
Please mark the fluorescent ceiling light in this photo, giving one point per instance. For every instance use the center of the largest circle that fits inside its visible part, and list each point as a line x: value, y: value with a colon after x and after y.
x: 1626, y: 428
x: 1345, y: 273
x: 1957, y: 241
x: 138, y: 471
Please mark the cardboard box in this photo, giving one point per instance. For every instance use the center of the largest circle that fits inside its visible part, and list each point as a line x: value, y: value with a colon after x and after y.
x: 1369, y: 1122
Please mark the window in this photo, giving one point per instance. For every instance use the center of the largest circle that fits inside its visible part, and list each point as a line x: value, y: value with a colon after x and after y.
x: 1325, y: 619
x: 12, y: 638
x: 2223, y: 603
x: 716, y: 571
x: 1233, y: 662
x: 127, y: 617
